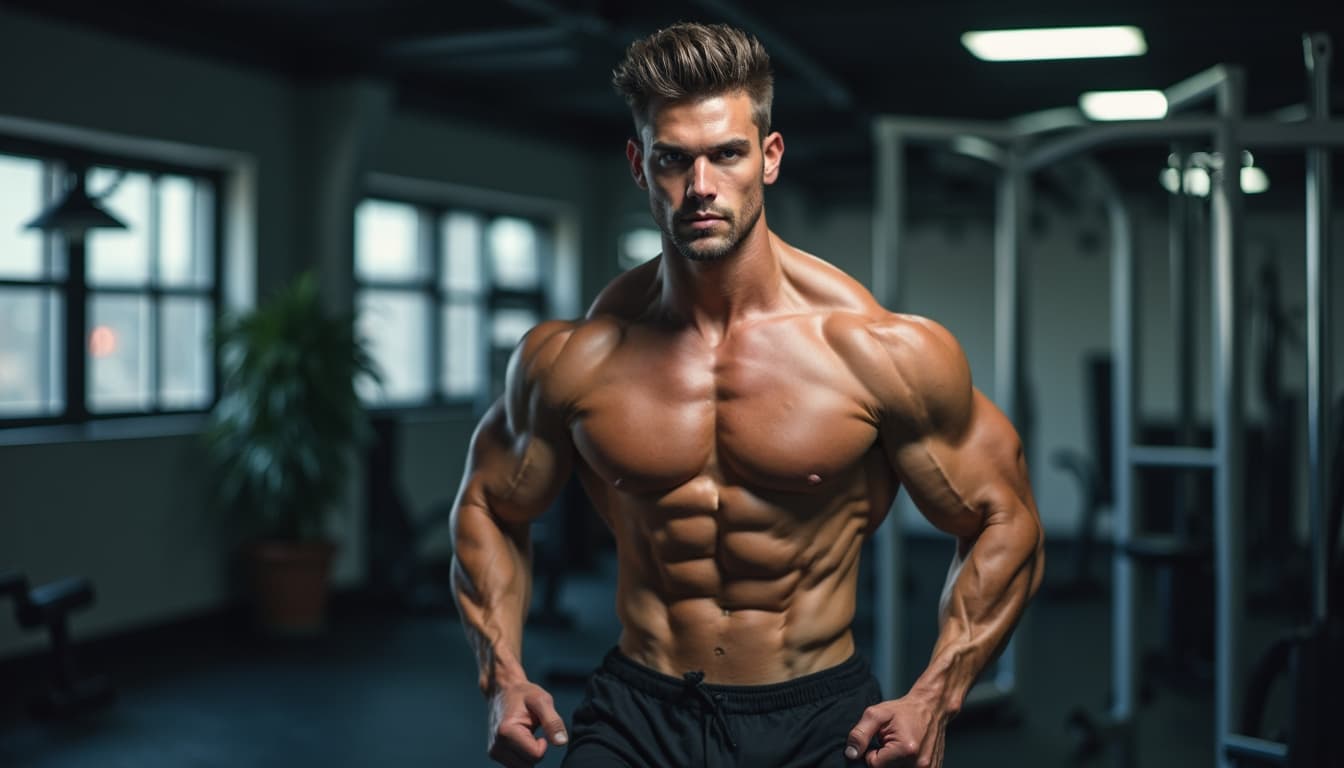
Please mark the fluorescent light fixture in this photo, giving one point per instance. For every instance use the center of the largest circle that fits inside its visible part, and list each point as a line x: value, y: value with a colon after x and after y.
x: 1056, y: 43
x: 1124, y: 105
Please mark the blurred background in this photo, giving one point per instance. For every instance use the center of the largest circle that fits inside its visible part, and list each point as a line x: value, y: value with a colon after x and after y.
x: 449, y: 175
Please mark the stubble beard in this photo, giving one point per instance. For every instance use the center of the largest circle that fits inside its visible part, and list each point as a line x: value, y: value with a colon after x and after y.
x: 695, y: 248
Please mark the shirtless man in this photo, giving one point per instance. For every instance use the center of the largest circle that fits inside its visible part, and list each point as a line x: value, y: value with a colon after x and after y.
x: 741, y: 414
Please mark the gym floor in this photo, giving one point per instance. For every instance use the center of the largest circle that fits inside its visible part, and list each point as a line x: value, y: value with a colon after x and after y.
x: 384, y: 688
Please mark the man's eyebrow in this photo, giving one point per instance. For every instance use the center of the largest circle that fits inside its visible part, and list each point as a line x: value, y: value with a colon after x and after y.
x: 739, y: 145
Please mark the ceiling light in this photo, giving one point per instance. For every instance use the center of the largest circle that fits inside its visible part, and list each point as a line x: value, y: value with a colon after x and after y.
x: 1196, y: 181
x: 1057, y: 43
x: 75, y: 212
x: 1254, y: 180
x: 1170, y: 179
x: 1124, y: 105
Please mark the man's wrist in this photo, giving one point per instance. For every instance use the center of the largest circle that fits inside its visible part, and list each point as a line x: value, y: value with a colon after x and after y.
x: 501, y: 676
x: 945, y: 682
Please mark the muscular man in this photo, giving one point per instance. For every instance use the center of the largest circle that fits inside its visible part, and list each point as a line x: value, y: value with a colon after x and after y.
x: 741, y: 414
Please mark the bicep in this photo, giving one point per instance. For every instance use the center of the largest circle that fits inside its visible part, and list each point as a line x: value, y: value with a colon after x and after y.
x: 513, y: 471
x: 521, y: 452
x: 967, y: 474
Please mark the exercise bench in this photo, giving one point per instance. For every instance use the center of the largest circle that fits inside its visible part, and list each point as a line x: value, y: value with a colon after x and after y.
x: 50, y: 605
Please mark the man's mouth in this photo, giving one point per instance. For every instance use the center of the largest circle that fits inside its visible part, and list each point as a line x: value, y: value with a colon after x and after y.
x: 702, y: 220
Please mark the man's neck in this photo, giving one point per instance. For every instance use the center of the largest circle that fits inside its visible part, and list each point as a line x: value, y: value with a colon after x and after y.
x: 711, y: 295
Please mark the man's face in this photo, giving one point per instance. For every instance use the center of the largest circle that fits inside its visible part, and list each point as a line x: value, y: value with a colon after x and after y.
x: 705, y: 167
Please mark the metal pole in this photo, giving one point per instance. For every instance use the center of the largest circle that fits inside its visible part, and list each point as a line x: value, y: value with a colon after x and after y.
x: 1098, y: 136
x: 888, y: 223
x: 1268, y: 134
x: 889, y: 216
x: 1182, y: 304
x: 1124, y: 375
x: 1009, y: 341
x: 1196, y: 88
x: 1008, y: 289
x: 1319, y: 392
x: 1227, y: 399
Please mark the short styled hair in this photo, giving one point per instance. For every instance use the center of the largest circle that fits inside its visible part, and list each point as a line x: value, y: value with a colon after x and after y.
x: 689, y: 60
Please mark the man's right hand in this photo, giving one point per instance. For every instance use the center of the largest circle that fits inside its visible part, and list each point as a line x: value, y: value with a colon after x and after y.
x: 516, y: 713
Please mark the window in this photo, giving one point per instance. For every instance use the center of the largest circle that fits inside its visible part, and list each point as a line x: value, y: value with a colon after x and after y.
x: 147, y: 293
x: 443, y: 296
x: 638, y: 245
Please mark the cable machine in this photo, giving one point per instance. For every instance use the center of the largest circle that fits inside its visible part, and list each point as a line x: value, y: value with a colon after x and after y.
x: 1022, y: 146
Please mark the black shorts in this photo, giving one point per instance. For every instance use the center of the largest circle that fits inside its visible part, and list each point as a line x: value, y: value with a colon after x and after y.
x: 637, y: 717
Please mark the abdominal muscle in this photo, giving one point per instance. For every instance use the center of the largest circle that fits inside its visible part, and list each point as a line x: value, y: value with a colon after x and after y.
x: 748, y: 590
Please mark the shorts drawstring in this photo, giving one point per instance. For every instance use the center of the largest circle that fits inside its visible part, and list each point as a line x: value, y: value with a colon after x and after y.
x: 695, y: 683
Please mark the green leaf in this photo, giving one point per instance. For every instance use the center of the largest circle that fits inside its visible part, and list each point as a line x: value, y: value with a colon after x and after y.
x: 288, y: 414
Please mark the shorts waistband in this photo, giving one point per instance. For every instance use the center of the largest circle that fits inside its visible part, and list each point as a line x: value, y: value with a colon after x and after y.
x: 844, y: 677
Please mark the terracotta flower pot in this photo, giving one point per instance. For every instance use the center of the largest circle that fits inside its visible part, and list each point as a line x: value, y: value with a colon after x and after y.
x: 289, y: 584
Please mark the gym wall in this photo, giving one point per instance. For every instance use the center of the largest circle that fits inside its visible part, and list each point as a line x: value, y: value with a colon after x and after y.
x: 123, y: 503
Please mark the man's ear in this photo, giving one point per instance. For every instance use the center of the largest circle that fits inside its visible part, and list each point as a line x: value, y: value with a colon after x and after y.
x: 772, y: 149
x: 635, y: 154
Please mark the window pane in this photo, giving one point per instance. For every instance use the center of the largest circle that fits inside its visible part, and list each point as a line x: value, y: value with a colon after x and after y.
x: 30, y: 352
x: 461, y: 353
x: 396, y: 325
x: 185, y: 365
x: 20, y: 202
x: 186, y: 237
x: 120, y: 256
x: 507, y: 326
x: 638, y: 246
x: 462, y: 252
x: 387, y: 242
x: 119, y: 353
x: 514, y: 261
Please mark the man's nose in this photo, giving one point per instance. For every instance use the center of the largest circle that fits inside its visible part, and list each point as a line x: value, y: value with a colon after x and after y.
x: 701, y: 184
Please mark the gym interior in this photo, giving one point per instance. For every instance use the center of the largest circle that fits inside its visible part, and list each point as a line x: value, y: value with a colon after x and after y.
x: 434, y: 180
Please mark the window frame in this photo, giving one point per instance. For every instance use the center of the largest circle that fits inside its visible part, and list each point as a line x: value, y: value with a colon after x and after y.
x: 58, y: 156
x: 431, y: 215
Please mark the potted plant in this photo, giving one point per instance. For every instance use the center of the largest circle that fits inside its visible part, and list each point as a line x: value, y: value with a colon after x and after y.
x: 280, y: 438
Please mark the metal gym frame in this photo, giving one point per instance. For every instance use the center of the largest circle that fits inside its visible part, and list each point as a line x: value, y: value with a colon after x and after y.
x: 1024, y: 145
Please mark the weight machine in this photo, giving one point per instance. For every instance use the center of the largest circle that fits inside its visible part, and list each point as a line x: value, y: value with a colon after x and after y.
x: 1020, y: 147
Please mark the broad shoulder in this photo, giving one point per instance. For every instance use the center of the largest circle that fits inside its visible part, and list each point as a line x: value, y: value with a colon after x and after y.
x: 560, y: 354
x: 914, y: 368
x: 556, y: 358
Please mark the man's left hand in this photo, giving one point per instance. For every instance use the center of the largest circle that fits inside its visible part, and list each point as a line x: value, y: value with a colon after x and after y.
x: 903, y: 732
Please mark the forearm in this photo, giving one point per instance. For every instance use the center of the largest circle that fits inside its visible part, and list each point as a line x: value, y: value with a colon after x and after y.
x: 492, y: 584
x: 1001, y: 570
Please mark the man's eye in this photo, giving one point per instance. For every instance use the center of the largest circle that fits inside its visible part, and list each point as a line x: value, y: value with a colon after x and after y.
x: 729, y: 154
x: 671, y: 158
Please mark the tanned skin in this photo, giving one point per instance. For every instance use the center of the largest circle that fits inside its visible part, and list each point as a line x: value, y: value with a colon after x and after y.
x: 742, y: 414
